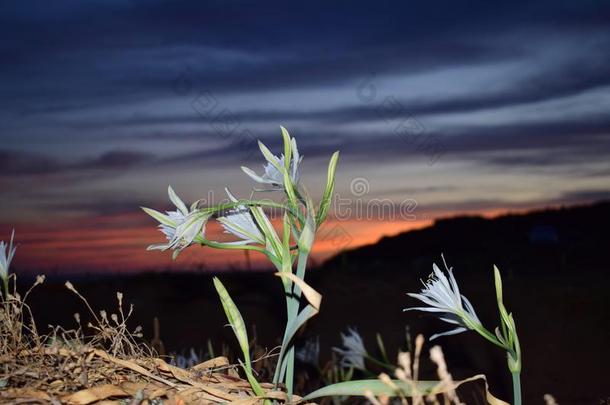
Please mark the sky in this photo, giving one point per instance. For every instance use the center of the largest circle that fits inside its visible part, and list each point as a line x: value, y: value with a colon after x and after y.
x: 438, y: 109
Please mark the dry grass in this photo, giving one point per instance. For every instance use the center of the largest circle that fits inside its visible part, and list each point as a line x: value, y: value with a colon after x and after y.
x: 444, y: 392
x: 102, y: 363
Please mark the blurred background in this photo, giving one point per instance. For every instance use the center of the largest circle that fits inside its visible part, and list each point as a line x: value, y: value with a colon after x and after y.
x: 477, y: 130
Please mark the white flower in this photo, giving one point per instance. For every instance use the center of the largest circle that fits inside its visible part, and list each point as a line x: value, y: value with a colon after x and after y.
x: 239, y: 222
x: 184, y: 362
x: 354, y: 353
x: 309, y: 353
x: 181, y: 227
x: 6, y: 256
x: 273, y: 176
x: 443, y: 296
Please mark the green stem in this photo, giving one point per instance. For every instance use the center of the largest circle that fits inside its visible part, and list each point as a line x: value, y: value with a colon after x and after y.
x: 480, y: 329
x: 220, y: 245
x: 254, y: 203
x: 293, y: 311
x: 380, y: 363
x: 5, y: 282
x: 490, y: 337
x: 5, y: 297
x: 517, y: 388
x: 289, y: 379
x: 231, y: 205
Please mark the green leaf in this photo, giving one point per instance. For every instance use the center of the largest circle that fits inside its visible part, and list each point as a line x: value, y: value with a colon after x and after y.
x: 308, y: 232
x: 376, y: 387
x: 239, y: 328
x: 289, y: 188
x: 382, y: 348
x: 498, y: 282
x: 270, y: 157
x: 328, y: 192
x: 271, y: 238
x: 291, y: 329
x: 314, y: 300
x: 286, y: 254
x: 234, y: 317
x: 505, y: 318
x: 287, y: 149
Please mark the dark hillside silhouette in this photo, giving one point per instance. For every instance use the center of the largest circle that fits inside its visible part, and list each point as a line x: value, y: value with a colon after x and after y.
x: 568, y: 239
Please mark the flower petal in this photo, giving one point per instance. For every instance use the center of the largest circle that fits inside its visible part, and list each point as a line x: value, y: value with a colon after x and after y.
x: 470, y: 309
x: 426, y: 309
x: 177, y: 201
x: 450, y: 332
x: 159, y: 216
x: 254, y: 176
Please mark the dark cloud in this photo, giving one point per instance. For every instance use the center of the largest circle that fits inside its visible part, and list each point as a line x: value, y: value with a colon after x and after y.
x: 114, y: 160
x: 546, y: 143
x: 586, y: 195
x: 19, y: 163
x: 60, y: 60
x: 15, y: 162
x: 95, y: 207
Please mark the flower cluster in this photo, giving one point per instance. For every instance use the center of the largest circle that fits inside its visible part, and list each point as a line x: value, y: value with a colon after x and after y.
x: 245, y: 219
x: 288, y: 250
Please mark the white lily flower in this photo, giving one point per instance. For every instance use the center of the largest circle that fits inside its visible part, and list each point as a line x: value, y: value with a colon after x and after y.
x: 309, y: 353
x: 239, y: 222
x: 185, y: 362
x: 443, y: 296
x: 6, y: 256
x: 181, y: 226
x: 354, y: 353
x: 273, y: 176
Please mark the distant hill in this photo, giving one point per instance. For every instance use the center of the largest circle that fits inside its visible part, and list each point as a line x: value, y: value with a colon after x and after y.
x: 567, y: 239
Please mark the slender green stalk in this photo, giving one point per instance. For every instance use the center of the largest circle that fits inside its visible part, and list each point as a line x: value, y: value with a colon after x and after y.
x: 5, y: 295
x: 292, y: 306
x: 301, y: 266
x: 5, y: 283
x: 220, y: 245
x: 255, y: 203
x: 380, y: 363
x: 289, y: 379
x: 517, y: 388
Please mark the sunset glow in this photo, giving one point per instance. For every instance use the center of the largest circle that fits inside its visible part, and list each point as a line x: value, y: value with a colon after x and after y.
x: 452, y: 111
